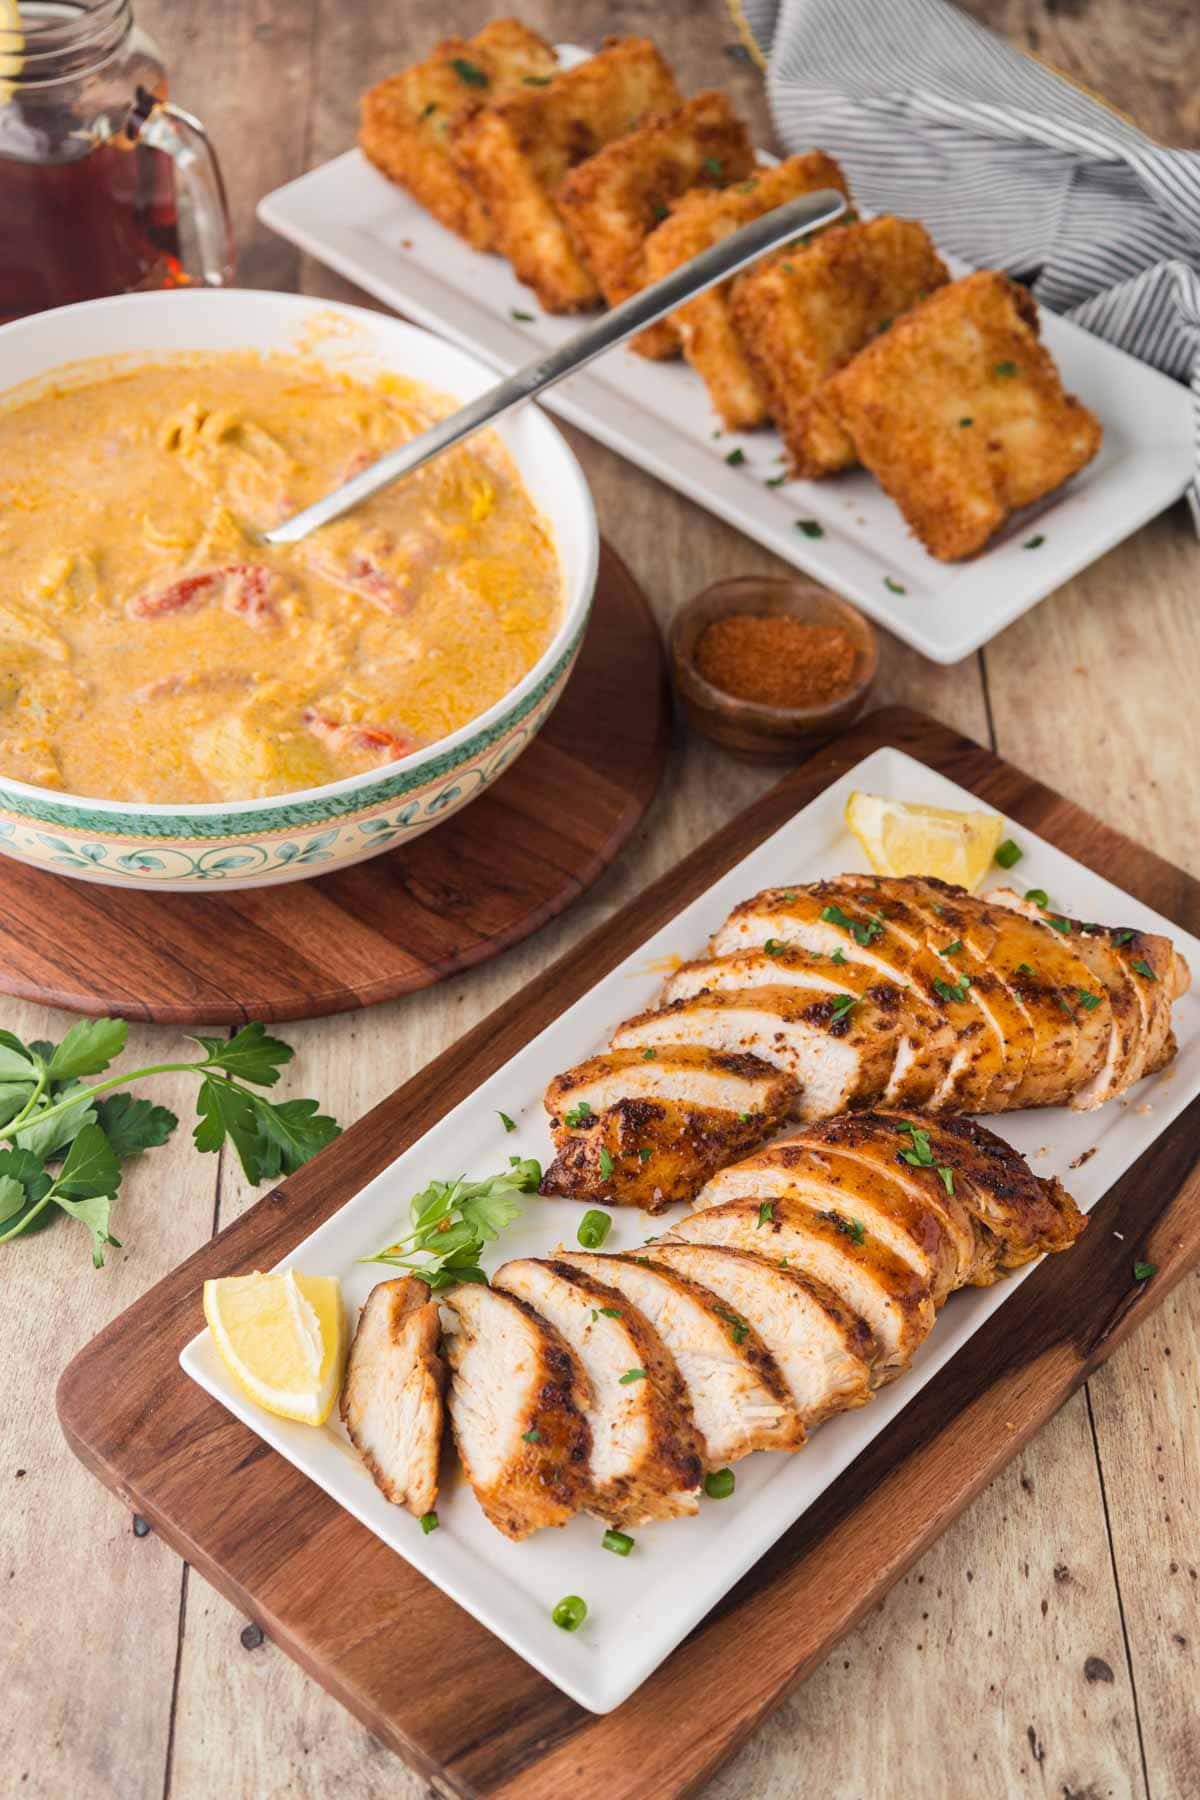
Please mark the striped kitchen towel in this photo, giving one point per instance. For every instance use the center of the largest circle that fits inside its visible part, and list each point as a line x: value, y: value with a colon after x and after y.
x: 1008, y: 165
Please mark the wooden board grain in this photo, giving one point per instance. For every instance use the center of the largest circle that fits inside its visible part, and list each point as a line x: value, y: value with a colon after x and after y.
x: 452, y: 898
x: 423, y: 1676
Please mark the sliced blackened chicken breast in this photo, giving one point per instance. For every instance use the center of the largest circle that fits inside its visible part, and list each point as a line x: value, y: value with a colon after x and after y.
x: 832, y: 1046
x: 517, y: 1403
x: 1016, y: 1215
x: 391, y: 1400
x: 824, y: 1350
x: 647, y: 1127
x: 647, y: 1456
x: 835, y: 1248
x: 913, y: 1229
x: 739, y: 1398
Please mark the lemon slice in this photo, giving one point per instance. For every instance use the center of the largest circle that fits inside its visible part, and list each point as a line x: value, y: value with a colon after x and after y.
x: 12, y: 48
x: 901, y: 839
x: 282, y: 1338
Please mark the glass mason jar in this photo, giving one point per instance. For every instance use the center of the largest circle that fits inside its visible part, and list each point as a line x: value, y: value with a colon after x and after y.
x: 104, y: 187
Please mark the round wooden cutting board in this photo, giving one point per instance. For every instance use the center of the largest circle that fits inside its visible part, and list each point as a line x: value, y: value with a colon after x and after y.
x: 403, y: 920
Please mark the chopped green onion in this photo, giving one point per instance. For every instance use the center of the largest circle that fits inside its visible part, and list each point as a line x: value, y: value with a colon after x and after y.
x: 570, y: 1613
x: 614, y: 1312
x: 1025, y: 969
x: 594, y: 1227
x: 1039, y: 896
x: 619, y: 1542
x: 719, y: 1484
x: 1008, y: 854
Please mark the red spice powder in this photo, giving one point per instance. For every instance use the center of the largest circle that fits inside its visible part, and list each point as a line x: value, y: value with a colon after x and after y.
x: 776, y: 660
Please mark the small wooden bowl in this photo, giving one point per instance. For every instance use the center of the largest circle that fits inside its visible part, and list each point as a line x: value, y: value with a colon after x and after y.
x: 768, y: 733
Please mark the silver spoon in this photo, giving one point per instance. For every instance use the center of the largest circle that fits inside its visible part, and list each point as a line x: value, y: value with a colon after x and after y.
x: 713, y: 265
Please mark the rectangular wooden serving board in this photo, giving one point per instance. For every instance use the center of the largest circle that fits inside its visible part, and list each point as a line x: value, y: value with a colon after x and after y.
x: 420, y: 1673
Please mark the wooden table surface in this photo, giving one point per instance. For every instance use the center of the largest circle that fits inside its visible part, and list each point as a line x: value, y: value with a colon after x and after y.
x: 1050, y: 1643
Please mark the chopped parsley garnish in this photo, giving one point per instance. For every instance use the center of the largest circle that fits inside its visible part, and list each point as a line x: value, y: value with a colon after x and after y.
x: 950, y: 949
x: 1008, y: 854
x: 614, y: 1312
x: 1122, y: 937
x: 739, y: 1331
x: 426, y: 111
x: 743, y: 1117
x: 777, y: 480
x: 578, y: 1115
x: 606, y: 1163
x: 644, y: 1154
x: 766, y: 1213
x: 1057, y: 923
x: 773, y: 947
x: 619, y: 1542
x: 862, y: 934
x: 1006, y: 368
x: 736, y: 458
x: 1026, y: 969
x: 1089, y: 1002
x: 523, y: 318
x: 839, y: 958
x: 947, y: 1175
x: 508, y: 1124
x: 746, y: 187
x: 854, y: 1229
x: 429, y: 1522
x: 469, y: 72
x: 1033, y: 543
x: 950, y: 990
x: 1142, y: 1271
x: 660, y: 211
x: 920, y: 1156
x: 1142, y: 967
x: 632, y: 1375
x: 789, y: 896
x: 649, y: 1055
x: 1039, y: 896
x: 537, y: 80
x: 843, y: 1005
x: 939, y: 910
x: 715, y: 166
x: 965, y: 422
x: 810, y: 528
x: 894, y: 587
x: 533, y: 1436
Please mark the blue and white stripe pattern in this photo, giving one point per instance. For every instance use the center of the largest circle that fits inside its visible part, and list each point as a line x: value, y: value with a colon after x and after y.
x: 1007, y: 164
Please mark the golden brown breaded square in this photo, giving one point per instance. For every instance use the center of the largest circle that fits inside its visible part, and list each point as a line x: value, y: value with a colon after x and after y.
x: 407, y: 119
x: 614, y: 200
x: 705, y: 325
x: 519, y: 151
x: 959, y: 413
x: 801, y: 318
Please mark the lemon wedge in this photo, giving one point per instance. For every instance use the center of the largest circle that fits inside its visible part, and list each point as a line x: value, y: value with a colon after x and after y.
x: 282, y: 1338
x: 902, y: 839
x: 12, y: 48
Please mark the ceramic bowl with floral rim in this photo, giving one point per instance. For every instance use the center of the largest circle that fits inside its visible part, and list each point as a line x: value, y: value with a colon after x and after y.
x: 248, y: 843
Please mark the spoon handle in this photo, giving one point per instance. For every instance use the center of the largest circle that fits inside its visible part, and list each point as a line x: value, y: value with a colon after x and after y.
x: 716, y: 264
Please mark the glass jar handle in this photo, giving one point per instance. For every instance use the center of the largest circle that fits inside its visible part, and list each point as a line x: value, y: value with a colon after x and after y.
x: 205, y: 233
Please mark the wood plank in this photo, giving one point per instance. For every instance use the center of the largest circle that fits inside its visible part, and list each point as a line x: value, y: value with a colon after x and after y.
x: 190, y: 1468
x: 90, y: 1610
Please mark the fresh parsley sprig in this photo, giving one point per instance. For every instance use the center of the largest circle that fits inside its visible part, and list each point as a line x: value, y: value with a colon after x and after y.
x: 453, y: 1220
x: 49, y: 1116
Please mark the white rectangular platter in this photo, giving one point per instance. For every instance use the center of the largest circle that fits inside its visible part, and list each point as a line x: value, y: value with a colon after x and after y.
x: 353, y: 219
x: 643, y: 1606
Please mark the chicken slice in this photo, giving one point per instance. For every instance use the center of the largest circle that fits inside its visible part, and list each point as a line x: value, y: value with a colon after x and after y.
x: 837, y: 1052
x: 824, y: 1351
x: 517, y: 1405
x: 793, y: 917
x: 910, y: 1227
x: 646, y: 1453
x: 1017, y: 1215
x: 835, y: 1248
x: 964, y: 944
x: 648, y: 1127
x: 391, y: 1401
x: 1141, y: 1039
x: 738, y: 1396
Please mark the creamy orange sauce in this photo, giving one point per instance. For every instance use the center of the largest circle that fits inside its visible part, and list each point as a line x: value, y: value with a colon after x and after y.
x: 151, y: 648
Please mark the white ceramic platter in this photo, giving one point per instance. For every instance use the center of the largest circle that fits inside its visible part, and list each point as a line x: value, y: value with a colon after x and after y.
x: 352, y: 218
x: 641, y: 1607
